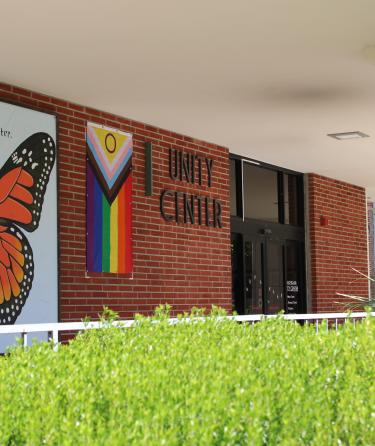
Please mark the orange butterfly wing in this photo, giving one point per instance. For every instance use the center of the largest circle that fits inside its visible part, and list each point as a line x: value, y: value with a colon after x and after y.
x: 16, y: 273
x: 14, y: 194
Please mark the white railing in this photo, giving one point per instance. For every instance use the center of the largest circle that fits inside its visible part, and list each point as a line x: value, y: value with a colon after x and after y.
x: 331, y: 321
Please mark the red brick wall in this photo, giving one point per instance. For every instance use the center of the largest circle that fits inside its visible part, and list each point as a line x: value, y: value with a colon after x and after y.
x: 338, y: 247
x: 371, y: 250
x: 182, y: 264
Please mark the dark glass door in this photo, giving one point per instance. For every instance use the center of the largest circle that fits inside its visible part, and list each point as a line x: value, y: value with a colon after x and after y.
x: 267, y: 224
x: 253, y: 275
x: 267, y: 274
x: 238, y: 303
x: 275, y: 296
x: 294, y: 277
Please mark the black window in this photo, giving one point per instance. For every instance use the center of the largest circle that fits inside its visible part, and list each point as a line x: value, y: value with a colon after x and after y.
x: 260, y: 193
x: 265, y: 193
x: 292, y: 200
x: 233, y: 188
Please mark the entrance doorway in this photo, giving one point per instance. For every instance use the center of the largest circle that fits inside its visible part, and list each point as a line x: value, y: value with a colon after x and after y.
x: 267, y: 276
x: 268, y: 259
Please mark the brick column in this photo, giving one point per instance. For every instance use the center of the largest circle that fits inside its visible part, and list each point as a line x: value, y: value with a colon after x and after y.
x: 338, y: 237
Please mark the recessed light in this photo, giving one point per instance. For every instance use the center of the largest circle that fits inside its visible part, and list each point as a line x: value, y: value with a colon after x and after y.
x: 348, y: 135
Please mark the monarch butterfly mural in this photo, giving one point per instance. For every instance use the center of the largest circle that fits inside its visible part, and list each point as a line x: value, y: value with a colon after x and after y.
x: 23, y: 182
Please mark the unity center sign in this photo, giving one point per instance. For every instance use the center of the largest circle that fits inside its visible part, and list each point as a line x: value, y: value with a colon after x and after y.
x: 28, y: 216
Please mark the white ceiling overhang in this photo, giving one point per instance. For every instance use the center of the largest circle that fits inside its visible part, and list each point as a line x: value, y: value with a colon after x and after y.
x: 267, y: 78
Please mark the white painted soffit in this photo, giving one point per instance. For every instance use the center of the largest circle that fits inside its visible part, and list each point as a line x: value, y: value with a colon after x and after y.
x: 267, y: 78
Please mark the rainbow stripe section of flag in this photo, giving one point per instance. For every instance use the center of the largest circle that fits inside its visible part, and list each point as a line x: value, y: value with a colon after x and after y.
x: 109, y: 227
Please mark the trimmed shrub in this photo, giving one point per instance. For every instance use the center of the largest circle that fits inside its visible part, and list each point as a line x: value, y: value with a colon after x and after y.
x: 206, y: 382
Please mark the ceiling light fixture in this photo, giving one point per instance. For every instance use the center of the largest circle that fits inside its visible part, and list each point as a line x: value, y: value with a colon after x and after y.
x: 348, y: 135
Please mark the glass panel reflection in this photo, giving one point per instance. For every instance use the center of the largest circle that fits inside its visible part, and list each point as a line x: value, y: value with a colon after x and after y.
x: 260, y: 193
x: 275, y: 286
x: 291, y: 199
x: 253, y: 278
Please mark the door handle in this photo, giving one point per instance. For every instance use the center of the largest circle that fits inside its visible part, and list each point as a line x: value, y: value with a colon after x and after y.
x: 266, y: 231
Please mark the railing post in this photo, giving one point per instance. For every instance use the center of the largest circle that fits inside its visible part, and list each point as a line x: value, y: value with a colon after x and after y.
x: 24, y: 339
x: 55, y: 335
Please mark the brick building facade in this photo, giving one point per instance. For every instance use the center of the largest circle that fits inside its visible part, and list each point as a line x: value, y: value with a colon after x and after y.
x: 183, y: 264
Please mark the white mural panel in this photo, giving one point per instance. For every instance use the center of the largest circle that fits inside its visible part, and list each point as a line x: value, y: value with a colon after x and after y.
x: 28, y: 218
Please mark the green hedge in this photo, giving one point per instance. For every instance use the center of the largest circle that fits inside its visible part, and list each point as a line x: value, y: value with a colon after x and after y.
x: 201, y: 383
